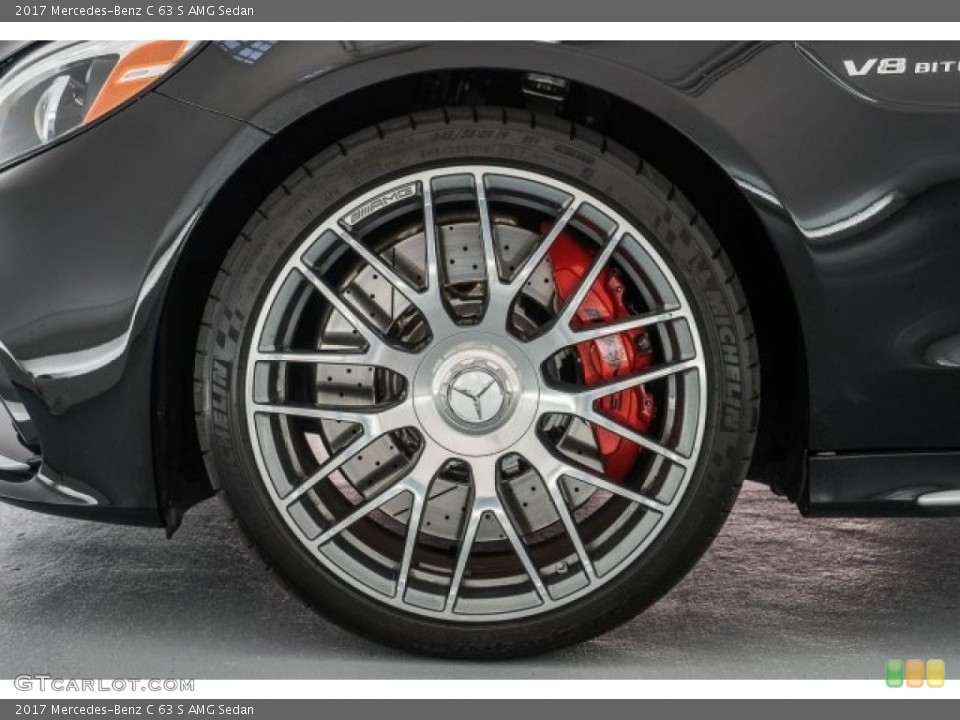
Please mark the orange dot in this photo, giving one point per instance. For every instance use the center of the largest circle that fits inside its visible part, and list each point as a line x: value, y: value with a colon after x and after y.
x: 914, y: 673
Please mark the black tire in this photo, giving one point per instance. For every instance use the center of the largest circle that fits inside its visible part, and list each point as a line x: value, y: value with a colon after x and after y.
x: 520, y: 139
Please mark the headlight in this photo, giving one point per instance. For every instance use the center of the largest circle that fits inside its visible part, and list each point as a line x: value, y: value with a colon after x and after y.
x: 66, y: 85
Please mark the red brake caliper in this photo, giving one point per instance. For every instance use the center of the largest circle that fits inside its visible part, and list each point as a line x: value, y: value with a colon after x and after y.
x: 609, y: 357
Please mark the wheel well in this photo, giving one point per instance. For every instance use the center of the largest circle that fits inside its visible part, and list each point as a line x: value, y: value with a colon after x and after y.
x: 181, y: 476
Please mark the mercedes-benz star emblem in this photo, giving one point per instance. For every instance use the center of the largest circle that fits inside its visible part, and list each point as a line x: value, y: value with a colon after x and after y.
x: 476, y: 396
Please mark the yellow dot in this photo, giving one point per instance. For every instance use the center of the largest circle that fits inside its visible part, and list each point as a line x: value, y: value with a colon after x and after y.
x: 936, y: 673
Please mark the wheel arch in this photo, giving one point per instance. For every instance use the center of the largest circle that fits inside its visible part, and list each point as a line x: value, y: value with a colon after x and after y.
x: 701, y: 176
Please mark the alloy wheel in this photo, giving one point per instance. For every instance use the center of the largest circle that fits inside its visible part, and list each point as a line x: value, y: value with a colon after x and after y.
x: 476, y: 393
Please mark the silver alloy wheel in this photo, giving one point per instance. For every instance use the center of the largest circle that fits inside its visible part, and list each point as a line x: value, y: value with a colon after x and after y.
x: 485, y: 501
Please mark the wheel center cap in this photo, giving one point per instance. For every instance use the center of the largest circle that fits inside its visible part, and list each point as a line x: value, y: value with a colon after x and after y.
x: 476, y: 396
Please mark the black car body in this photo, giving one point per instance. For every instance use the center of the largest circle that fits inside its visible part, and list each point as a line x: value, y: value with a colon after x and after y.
x: 828, y: 171
x: 841, y: 189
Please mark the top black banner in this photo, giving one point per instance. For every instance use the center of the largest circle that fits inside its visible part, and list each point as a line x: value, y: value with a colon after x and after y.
x: 490, y: 10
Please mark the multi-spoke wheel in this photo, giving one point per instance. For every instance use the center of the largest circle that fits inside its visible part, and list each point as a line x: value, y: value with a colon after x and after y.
x: 477, y: 389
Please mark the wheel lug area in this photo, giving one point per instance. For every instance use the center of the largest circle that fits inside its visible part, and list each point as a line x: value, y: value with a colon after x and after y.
x: 475, y: 394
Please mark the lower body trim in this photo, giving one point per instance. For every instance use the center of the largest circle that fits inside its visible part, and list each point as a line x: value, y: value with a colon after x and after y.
x: 884, y: 484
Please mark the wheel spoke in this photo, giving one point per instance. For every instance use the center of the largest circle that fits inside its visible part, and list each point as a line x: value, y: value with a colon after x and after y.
x: 486, y: 233
x: 364, y: 419
x: 529, y: 265
x: 520, y: 548
x: 309, y: 357
x: 361, y: 511
x: 434, y: 284
x: 595, y: 332
x: 367, y: 330
x: 431, y: 302
x: 602, y: 483
x: 377, y: 263
x: 502, y: 294
x: 561, y: 336
x: 551, y: 469
x: 636, y: 438
x: 334, y: 462
x: 570, y: 525
x: 373, y: 422
x: 417, y: 503
x: 599, y: 263
x: 466, y: 546
x: 415, y: 480
x: 487, y: 502
x: 591, y: 394
x: 377, y: 355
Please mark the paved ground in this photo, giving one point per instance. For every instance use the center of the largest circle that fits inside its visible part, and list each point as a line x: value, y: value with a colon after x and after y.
x: 777, y: 596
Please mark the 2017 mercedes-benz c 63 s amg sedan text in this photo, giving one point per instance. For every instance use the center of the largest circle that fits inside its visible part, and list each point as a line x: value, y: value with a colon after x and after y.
x: 477, y: 341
